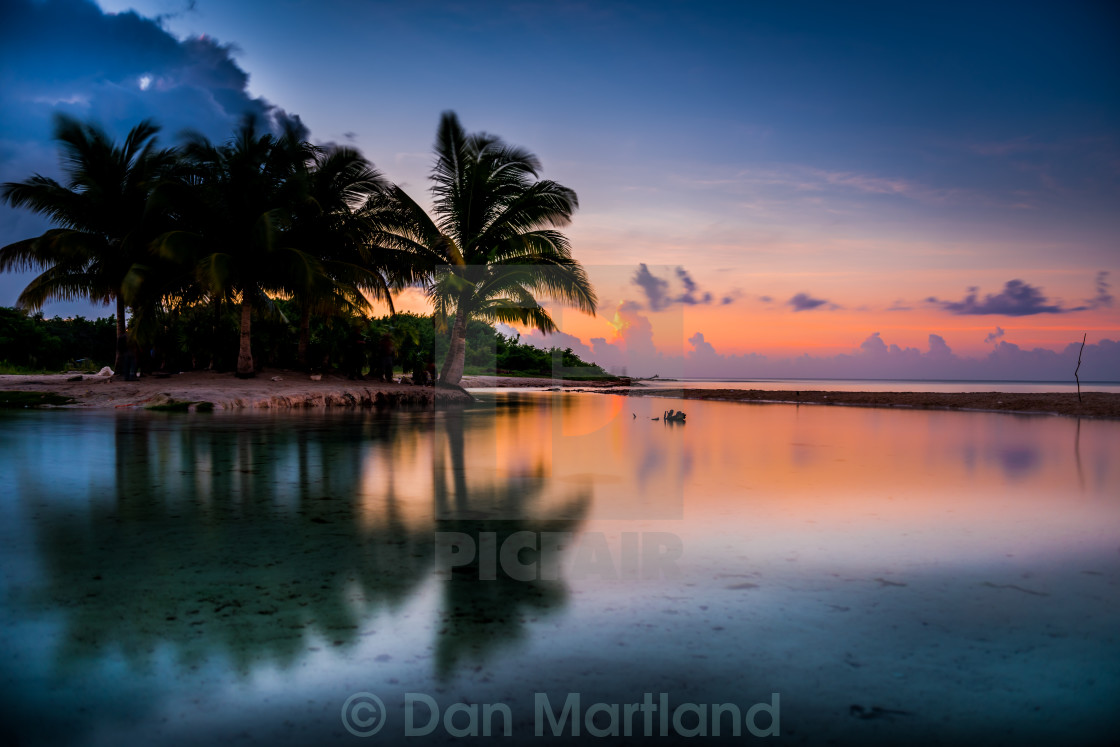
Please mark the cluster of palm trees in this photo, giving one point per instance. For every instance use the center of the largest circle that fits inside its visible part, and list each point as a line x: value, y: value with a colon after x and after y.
x: 266, y: 216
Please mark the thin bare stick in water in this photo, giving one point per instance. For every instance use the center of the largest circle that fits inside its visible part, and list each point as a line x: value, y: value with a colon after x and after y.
x: 1079, y: 352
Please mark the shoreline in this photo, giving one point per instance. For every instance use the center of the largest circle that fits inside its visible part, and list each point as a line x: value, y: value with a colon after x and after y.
x: 224, y: 391
x: 295, y: 390
x: 1093, y: 405
x: 522, y: 382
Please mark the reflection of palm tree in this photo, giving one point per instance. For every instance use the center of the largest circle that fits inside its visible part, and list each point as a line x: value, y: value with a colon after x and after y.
x: 493, y: 236
x: 481, y: 615
x: 245, y: 539
x: 217, y: 564
x: 103, y: 214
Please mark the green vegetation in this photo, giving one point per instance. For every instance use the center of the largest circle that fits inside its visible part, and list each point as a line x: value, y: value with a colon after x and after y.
x: 193, y: 338
x: 490, y: 352
x: 32, y: 399
x: 174, y: 405
x: 32, y: 344
x: 266, y: 250
x: 104, y: 224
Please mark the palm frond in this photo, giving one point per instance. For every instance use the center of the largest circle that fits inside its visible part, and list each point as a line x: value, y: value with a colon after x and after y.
x: 47, y: 197
x: 508, y: 312
x: 216, y: 273
x: 60, y: 284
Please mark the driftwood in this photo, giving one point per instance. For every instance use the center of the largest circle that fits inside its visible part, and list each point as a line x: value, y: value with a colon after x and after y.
x: 1075, y: 376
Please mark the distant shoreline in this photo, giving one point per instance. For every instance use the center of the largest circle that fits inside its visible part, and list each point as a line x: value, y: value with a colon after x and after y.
x: 522, y: 382
x: 1092, y: 404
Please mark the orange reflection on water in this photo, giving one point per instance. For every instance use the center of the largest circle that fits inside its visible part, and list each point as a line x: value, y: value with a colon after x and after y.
x: 782, y: 469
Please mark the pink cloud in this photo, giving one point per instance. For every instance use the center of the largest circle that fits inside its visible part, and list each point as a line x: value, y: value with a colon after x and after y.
x: 874, y: 358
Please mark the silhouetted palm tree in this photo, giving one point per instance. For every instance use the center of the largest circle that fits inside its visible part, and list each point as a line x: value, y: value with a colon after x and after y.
x: 243, y: 195
x: 329, y: 225
x: 102, y: 212
x: 491, y: 248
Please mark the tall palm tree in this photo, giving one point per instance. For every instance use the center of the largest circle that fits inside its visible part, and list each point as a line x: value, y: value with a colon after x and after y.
x: 330, y: 225
x: 243, y: 194
x: 103, y: 213
x: 491, y: 247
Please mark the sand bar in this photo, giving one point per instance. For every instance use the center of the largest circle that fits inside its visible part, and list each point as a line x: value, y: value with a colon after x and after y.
x: 1092, y: 404
x: 224, y: 391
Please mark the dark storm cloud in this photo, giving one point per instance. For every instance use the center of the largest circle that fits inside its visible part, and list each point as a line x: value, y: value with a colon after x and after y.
x: 692, y: 295
x: 115, y: 70
x: 805, y: 302
x: 1016, y: 299
x: 68, y: 55
x: 655, y: 289
x: 994, y: 336
x: 1103, y: 298
x: 658, y: 295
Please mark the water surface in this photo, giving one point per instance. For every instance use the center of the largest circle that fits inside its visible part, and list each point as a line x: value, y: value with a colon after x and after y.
x: 183, y: 579
x: 885, y: 385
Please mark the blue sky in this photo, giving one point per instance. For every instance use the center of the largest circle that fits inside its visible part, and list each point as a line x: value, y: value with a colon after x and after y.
x: 873, y: 156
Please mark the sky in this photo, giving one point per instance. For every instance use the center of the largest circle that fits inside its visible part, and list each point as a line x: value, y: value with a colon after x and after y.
x: 817, y: 189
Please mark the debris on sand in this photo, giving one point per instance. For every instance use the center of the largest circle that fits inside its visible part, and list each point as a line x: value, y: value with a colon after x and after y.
x: 873, y: 712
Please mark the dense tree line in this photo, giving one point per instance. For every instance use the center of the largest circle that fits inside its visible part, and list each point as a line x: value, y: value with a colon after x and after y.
x: 34, y: 343
x: 194, y: 338
x: 267, y: 244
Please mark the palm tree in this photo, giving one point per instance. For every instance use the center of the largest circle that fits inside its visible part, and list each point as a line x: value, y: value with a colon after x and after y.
x: 242, y: 195
x: 330, y: 226
x: 103, y: 214
x: 492, y: 247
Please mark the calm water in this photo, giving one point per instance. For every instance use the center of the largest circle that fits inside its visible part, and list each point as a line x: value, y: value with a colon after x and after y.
x: 886, y: 385
x: 894, y: 576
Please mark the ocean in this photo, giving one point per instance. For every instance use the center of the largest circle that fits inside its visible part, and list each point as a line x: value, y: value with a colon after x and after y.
x: 885, y: 385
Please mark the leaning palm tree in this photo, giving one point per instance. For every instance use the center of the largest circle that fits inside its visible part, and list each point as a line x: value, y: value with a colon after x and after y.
x: 241, y: 196
x: 103, y: 213
x: 492, y: 247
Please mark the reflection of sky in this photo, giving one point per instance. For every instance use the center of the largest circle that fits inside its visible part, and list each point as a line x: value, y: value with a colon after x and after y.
x: 811, y: 535
x: 1018, y: 461
x: 24, y: 462
x: 632, y: 464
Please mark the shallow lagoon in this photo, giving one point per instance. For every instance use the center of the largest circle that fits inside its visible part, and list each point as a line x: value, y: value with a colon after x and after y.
x: 235, y: 578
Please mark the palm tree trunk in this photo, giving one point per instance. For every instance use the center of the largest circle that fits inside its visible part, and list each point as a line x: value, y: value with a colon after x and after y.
x: 120, y: 331
x: 215, y: 324
x: 452, y: 372
x: 304, y: 335
x: 245, y: 353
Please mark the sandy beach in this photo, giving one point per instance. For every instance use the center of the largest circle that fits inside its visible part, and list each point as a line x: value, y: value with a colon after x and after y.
x: 275, y: 389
